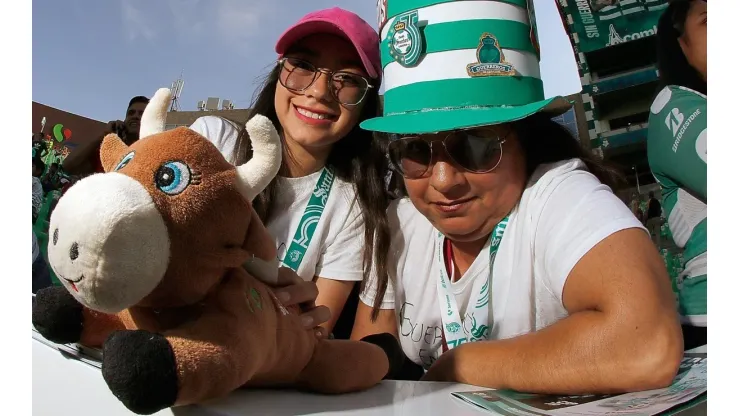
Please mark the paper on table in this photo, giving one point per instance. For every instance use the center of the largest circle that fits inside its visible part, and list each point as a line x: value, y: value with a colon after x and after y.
x: 690, y: 383
x: 90, y: 356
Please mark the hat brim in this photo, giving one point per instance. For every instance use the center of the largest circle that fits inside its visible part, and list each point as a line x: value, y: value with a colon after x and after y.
x: 433, y: 121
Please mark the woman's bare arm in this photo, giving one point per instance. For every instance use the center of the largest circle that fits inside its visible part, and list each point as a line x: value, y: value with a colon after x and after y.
x: 333, y: 294
x: 364, y: 325
x: 78, y: 161
x: 622, y: 332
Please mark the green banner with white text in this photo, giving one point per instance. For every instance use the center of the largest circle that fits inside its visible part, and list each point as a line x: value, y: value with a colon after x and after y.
x: 598, y: 24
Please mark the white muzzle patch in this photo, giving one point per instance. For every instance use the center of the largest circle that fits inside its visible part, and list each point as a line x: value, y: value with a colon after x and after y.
x: 108, y: 243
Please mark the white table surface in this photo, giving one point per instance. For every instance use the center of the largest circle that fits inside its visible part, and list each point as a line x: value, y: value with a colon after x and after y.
x: 63, y: 385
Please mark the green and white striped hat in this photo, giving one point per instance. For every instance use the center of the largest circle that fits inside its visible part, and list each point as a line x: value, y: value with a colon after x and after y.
x: 452, y: 64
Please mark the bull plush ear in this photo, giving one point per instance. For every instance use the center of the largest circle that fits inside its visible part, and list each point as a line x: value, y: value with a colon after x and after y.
x: 112, y: 150
x: 155, y: 113
x: 253, y: 176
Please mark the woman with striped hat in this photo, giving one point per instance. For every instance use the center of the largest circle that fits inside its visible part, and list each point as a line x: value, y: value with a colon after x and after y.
x: 512, y: 264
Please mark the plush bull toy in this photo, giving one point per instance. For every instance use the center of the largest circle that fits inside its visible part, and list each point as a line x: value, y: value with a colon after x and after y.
x: 150, y: 254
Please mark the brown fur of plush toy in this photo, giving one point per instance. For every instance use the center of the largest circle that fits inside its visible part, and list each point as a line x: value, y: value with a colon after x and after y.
x: 158, y: 270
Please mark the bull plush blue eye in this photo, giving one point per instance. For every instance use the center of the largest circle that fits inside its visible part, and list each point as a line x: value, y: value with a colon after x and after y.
x: 172, y: 177
x: 124, y: 161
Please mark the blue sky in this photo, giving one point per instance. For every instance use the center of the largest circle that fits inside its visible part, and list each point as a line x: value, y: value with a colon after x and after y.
x: 90, y: 56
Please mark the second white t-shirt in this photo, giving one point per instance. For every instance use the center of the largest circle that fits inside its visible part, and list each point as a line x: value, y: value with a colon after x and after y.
x: 336, y: 249
x: 563, y: 213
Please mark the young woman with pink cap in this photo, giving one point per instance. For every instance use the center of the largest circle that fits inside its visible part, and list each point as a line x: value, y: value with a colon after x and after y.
x: 326, y: 208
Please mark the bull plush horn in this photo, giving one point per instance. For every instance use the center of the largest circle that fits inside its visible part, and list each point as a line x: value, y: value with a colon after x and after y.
x: 267, y: 155
x: 155, y: 114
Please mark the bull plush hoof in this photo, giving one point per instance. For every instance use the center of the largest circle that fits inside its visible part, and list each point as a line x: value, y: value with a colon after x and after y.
x: 139, y: 368
x: 400, y: 367
x: 57, y: 315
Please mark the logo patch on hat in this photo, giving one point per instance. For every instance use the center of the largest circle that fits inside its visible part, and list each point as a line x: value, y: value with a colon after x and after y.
x: 404, y: 39
x: 491, y: 61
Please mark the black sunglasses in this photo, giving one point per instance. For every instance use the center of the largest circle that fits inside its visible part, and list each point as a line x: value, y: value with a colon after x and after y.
x: 477, y: 151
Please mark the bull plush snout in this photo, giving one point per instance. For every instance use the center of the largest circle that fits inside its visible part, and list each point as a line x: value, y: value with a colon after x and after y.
x: 108, y: 242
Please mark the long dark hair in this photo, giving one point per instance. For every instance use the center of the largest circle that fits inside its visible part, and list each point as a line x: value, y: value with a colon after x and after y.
x: 357, y: 158
x: 545, y: 141
x: 673, y: 68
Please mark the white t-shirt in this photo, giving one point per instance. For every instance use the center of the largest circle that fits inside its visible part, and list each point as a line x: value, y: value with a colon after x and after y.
x: 37, y: 198
x: 37, y: 195
x: 563, y: 213
x: 336, y: 249
x: 225, y: 135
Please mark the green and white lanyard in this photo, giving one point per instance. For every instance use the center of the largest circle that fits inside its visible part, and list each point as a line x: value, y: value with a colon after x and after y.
x: 479, y: 311
x: 309, y: 220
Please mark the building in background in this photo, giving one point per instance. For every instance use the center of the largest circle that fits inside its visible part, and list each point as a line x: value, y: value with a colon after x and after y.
x: 214, y: 106
x: 615, y: 47
x: 616, y: 51
x: 62, y: 130
x: 575, y: 120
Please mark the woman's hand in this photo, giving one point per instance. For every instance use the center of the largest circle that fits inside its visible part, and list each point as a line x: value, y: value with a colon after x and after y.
x: 291, y: 290
x: 443, y: 368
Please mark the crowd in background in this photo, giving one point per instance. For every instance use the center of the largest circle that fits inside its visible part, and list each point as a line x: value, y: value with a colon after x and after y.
x: 51, y: 181
x: 650, y: 213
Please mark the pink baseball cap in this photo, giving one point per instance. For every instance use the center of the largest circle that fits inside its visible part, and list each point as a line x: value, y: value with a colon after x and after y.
x: 337, y: 21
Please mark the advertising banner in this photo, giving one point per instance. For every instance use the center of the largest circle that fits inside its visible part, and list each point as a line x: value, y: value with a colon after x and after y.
x: 598, y: 24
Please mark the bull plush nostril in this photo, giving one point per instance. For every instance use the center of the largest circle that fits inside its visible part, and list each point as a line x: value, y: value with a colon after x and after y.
x: 74, y: 251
